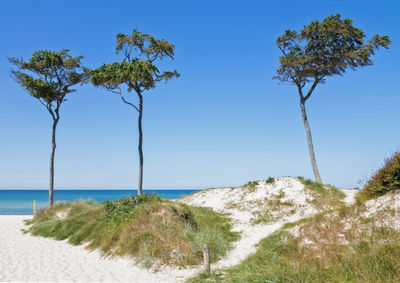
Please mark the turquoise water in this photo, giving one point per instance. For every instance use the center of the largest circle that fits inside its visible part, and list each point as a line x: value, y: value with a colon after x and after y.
x: 20, y: 202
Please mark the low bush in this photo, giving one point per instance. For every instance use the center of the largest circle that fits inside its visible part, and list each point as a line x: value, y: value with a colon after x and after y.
x: 385, y: 179
x: 270, y: 180
x: 252, y: 185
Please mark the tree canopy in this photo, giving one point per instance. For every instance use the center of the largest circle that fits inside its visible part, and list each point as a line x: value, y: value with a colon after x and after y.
x: 137, y: 73
x: 323, y: 49
x: 50, y: 78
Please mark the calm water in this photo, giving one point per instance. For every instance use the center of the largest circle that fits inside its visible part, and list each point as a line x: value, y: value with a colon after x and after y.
x: 20, y: 202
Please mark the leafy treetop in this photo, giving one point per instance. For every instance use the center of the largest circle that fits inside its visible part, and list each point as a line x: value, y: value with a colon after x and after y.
x: 52, y: 74
x: 323, y: 49
x: 138, y: 73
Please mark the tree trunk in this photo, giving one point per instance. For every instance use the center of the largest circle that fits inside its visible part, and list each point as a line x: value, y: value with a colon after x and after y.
x: 53, y: 149
x: 140, y: 146
x: 310, y: 142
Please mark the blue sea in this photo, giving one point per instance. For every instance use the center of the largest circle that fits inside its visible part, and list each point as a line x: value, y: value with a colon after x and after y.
x: 20, y: 202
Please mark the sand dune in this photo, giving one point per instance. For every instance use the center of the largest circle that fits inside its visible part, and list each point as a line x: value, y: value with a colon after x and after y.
x: 24, y: 257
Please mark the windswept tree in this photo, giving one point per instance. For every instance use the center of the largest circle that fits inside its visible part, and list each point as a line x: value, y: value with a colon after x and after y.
x: 318, y: 51
x: 136, y: 72
x: 49, y: 79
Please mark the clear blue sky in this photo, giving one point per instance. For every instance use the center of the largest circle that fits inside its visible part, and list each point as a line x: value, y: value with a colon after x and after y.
x: 222, y: 123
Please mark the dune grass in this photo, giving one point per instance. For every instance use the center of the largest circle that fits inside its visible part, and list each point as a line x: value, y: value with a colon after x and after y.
x: 152, y: 230
x: 325, y: 196
x: 339, y: 246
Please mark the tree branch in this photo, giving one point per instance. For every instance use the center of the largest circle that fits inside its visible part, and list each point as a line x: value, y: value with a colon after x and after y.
x: 282, y: 50
x: 131, y: 104
x: 316, y: 81
x: 123, y: 99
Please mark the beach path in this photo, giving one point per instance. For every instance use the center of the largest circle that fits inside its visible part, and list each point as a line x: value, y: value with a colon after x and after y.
x: 28, y: 258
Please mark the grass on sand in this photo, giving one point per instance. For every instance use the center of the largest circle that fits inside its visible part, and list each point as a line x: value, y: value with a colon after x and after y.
x: 152, y: 230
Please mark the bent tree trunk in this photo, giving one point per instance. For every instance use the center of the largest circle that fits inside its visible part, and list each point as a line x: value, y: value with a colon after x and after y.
x: 53, y: 150
x: 140, y: 145
x: 310, y: 142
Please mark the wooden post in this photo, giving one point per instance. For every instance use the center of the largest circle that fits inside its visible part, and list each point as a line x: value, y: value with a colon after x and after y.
x: 34, y: 208
x: 206, y: 256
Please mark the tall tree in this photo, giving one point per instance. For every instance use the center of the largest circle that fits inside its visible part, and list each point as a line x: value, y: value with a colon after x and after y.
x: 138, y: 73
x: 50, y: 78
x: 320, y: 50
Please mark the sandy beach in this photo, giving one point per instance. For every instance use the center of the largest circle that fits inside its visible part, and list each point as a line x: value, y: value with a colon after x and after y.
x: 36, y: 259
x: 24, y: 257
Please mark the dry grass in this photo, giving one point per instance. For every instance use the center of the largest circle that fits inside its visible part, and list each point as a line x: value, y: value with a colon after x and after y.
x: 325, y: 196
x: 153, y: 232
x: 340, y: 245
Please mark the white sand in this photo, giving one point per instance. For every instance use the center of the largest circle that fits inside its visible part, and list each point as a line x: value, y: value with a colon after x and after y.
x: 27, y: 258
x: 350, y: 196
x: 385, y: 209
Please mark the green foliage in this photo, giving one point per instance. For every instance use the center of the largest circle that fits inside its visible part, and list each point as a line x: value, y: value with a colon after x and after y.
x: 136, y: 73
x: 385, y: 179
x: 314, y: 186
x: 325, y: 196
x: 252, y: 185
x: 323, y: 49
x: 270, y: 180
x: 119, y: 211
x: 151, y: 230
x: 50, y: 78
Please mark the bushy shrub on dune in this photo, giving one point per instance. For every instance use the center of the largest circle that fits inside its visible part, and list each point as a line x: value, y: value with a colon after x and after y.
x: 386, y: 178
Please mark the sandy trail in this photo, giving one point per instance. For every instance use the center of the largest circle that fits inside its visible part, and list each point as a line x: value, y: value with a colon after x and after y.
x: 27, y: 258
x: 350, y: 196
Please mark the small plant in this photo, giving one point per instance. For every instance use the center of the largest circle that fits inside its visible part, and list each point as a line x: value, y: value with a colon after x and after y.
x: 385, y: 179
x: 270, y: 180
x: 251, y: 185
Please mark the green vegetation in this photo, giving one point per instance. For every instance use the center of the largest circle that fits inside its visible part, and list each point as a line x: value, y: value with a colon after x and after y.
x: 325, y: 196
x: 278, y: 206
x: 330, y: 247
x: 150, y: 229
x: 385, y: 179
x: 270, y: 180
x: 252, y: 185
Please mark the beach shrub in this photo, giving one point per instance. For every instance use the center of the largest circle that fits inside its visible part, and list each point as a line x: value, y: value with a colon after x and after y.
x: 252, y: 185
x: 270, y: 180
x: 386, y: 178
x: 150, y: 229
